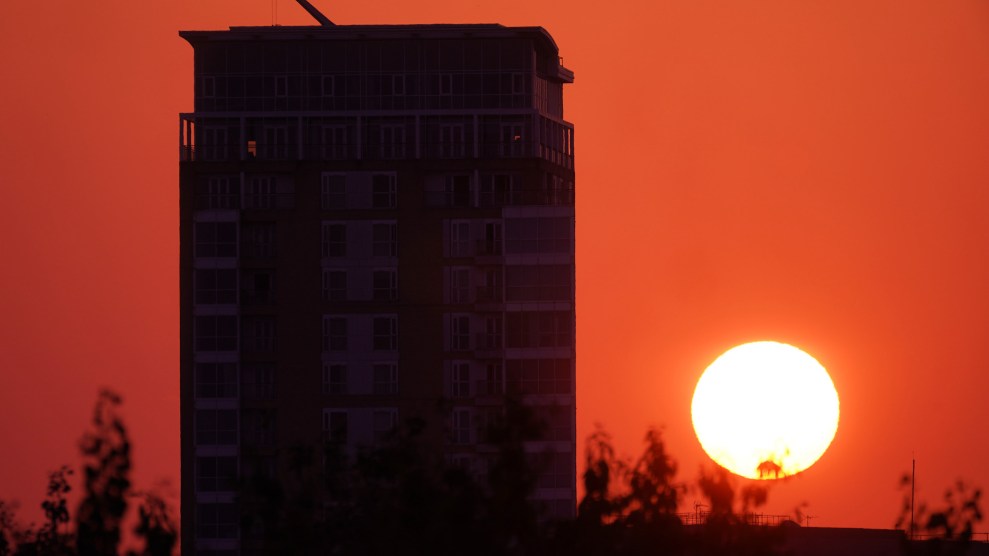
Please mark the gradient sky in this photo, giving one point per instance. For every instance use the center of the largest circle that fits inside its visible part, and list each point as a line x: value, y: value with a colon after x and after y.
x: 815, y: 173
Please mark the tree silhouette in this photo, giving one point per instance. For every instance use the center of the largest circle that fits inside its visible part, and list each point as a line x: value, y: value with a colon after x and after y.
x: 106, y: 479
x: 946, y: 530
x: 106, y: 453
x: 50, y: 540
x: 155, y: 525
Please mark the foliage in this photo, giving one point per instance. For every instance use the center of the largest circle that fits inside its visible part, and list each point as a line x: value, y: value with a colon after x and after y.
x: 402, y: 497
x: 12, y: 535
x: 729, y: 528
x: 155, y: 525
x: 106, y: 450
x: 50, y: 540
x: 631, y: 508
x: 106, y: 479
x: 946, y: 530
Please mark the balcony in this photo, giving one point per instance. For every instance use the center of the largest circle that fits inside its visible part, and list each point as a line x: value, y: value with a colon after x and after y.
x: 302, y: 135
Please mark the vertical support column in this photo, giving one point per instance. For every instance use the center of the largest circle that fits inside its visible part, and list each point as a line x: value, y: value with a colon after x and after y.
x: 536, y: 133
x: 418, y: 137
x: 477, y: 135
x: 243, y: 138
x: 360, y: 138
x: 476, y: 190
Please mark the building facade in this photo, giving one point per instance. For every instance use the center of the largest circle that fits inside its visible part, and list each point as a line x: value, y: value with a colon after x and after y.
x: 377, y: 224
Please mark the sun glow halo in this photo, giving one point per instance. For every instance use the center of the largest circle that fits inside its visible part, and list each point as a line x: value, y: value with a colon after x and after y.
x: 765, y: 410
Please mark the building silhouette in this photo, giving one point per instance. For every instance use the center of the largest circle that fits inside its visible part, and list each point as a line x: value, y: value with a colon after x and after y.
x: 377, y: 225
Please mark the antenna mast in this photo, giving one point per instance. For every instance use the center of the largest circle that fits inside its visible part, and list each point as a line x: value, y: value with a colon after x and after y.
x: 322, y: 19
x: 913, y: 487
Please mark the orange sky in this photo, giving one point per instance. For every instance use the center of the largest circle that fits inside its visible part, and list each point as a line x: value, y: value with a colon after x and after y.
x: 810, y: 172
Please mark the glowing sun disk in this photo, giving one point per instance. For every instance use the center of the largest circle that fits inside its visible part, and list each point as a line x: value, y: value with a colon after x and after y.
x: 765, y: 409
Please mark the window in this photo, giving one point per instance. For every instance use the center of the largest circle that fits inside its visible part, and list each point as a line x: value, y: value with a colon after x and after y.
x: 258, y: 334
x: 256, y: 466
x: 452, y: 143
x: 217, y: 521
x: 398, y: 84
x: 490, y: 291
x: 335, y: 427
x: 216, y: 380
x: 221, y: 193
x: 538, y: 376
x: 385, y: 333
x: 209, y: 86
x: 491, y: 337
x: 215, y: 145
x: 216, y: 427
x: 459, y: 285
x: 259, y: 240
x: 532, y: 329
x: 333, y: 191
x: 460, y: 426
x: 556, y: 467
x: 260, y: 193
x: 334, y: 285
x: 491, y: 244
x: 460, y: 239
x: 512, y: 143
x: 384, y: 284
x: 329, y: 85
x: 494, y: 383
x: 258, y: 427
x: 539, y: 283
x: 458, y: 191
x: 258, y: 381
x: 497, y: 190
x: 257, y: 287
x: 334, y: 239
x: 392, y: 140
x: 459, y: 332
x: 555, y: 421
x: 216, y: 333
x: 383, y: 191
x: 215, y: 286
x: 538, y: 235
x: 334, y: 333
x: 385, y: 378
x: 518, y: 83
x: 384, y: 239
x: 460, y: 379
x: 383, y: 422
x: 275, y: 144
x: 281, y: 85
x: 334, y: 139
x: 216, y: 239
x: 334, y: 379
x: 445, y: 84
x: 216, y: 474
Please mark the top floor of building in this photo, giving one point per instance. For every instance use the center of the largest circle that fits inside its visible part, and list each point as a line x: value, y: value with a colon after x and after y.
x: 367, y: 68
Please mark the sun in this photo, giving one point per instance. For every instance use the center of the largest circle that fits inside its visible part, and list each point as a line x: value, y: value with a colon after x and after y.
x: 765, y: 410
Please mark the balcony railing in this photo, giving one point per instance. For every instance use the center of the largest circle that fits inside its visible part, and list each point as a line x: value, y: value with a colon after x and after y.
x: 274, y: 136
x: 489, y: 294
x: 487, y: 341
x: 489, y: 388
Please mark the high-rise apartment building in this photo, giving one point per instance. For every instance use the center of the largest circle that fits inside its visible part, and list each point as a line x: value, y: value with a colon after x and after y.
x: 377, y: 224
